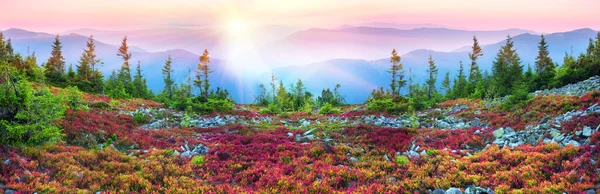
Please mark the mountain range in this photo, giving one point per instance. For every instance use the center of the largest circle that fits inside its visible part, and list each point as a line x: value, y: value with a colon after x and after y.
x: 354, y: 57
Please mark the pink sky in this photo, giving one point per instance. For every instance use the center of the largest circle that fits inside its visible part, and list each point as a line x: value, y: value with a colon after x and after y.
x: 63, y: 15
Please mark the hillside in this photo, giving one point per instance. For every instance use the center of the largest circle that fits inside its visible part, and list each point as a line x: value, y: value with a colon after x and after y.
x: 458, y: 145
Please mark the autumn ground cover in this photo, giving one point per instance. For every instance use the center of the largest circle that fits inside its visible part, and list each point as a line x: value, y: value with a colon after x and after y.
x: 104, y: 150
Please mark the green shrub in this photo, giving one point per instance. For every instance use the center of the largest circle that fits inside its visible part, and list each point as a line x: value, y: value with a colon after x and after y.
x: 139, y: 117
x: 114, y: 103
x: 393, y: 106
x: 402, y: 160
x: 328, y: 109
x: 271, y: 109
x: 284, y: 115
x: 431, y: 152
x: 100, y: 105
x: 197, y: 160
x: 74, y: 98
x: 212, y: 105
x: 519, y: 98
x: 31, y: 115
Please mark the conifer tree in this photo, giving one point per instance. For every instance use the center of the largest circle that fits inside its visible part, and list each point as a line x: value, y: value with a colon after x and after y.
x: 446, y: 84
x: 55, y: 67
x: 474, y: 71
x: 459, y: 90
x: 202, y: 74
x: 166, y: 71
x: 89, y: 78
x: 3, y: 52
x: 544, y: 67
x: 9, y: 49
x: 273, y: 85
x: 125, y: 71
x: 506, y: 70
x: 432, y: 77
x: 395, y: 60
x: 140, y: 89
x: 283, y: 99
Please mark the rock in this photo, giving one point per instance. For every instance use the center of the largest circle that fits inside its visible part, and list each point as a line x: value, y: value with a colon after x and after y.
x: 574, y: 143
x: 298, y: 137
x: 438, y: 191
x: 476, y: 122
x: 308, y: 132
x: 590, y: 191
x: 176, y: 153
x: 6, y: 162
x: 200, y: 149
x: 545, y: 119
x: 578, y: 133
x: 387, y: 158
x: 353, y: 159
x: 310, y: 137
x: 594, y: 108
x: 186, y: 154
x: 412, y: 154
x: 558, y: 138
x: 499, y: 132
x: 443, y: 125
x: 453, y: 190
x: 8, y: 191
x: 587, y: 131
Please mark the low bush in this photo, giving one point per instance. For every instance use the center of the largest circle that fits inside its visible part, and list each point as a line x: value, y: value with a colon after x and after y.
x: 197, y: 160
x: 139, y: 118
x: 402, y: 160
x: 328, y: 109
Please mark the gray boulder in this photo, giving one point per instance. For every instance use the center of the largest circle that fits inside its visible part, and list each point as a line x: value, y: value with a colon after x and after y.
x: 453, y: 190
x: 438, y: 191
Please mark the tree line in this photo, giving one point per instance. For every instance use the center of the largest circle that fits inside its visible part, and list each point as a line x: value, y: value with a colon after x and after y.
x: 507, y: 77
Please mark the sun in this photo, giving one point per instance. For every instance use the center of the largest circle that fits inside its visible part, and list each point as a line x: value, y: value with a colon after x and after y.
x: 237, y: 26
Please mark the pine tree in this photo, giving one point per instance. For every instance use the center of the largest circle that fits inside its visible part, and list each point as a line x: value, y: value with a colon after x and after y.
x: 140, y: 89
x: 446, y: 84
x: 394, y: 59
x: 55, y: 67
x: 125, y: 71
x: 3, y: 52
x: 89, y: 79
x: 202, y: 74
x: 432, y: 77
x: 9, y: 49
x: 411, y: 89
x: 459, y: 90
x: 544, y: 67
x: 474, y: 71
x: 283, y: 99
x: 273, y: 82
x: 506, y: 70
x: 166, y: 71
x: 529, y: 79
x: 71, y: 75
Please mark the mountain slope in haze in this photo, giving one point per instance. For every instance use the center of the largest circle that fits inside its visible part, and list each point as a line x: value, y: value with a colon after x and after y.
x: 371, y: 43
x: 224, y: 74
x: 359, y: 77
x: 193, y: 40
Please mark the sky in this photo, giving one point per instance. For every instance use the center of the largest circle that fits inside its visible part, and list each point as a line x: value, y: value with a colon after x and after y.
x: 62, y: 15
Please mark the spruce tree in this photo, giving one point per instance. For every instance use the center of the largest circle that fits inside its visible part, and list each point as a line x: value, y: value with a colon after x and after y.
x: 125, y: 71
x: 273, y: 90
x: 395, y: 60
x: 446, y: 84
x: 432, y: 77
x: 474, y: 71
x: 507, y: 70
x: 55, y: 67
x: 166, y: 71
x: 139, y: 83
x: 459, y: 90
x: 202, y: 74
x: 544, y: 67
x: 3, y: 52
x: 89, y: 78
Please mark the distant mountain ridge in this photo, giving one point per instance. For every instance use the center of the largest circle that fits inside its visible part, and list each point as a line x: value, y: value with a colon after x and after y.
x: 357, y: 76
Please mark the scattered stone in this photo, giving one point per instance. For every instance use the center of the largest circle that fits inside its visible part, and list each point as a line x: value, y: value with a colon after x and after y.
x: 453, y: 190
x: 8, y: 191
x: 6, y: 162
x: 499, y: 132
x: 438, y: 191
x: 290, y: 134
x: 587, y: 131
x: 353, y: 159
x: 590, y: 191
x: 387, y: 158
x: 308, y: 132
x: 200, y: 149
